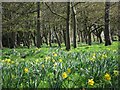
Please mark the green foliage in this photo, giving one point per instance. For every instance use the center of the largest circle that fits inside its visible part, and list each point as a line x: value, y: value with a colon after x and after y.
x: 57, y: 68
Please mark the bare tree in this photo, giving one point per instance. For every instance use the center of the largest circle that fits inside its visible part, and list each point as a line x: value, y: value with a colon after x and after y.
x: 39, y: 40
x: 107, y: 26
x: 67, y: 27
x: 74, y: 26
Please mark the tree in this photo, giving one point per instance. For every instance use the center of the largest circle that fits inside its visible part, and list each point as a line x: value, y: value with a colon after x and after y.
x: 107, y: 26
x: 74, y: 26
x: 0, y: 28
x: 119, y: 20
x: 39, y: 40
x: 67, y: 27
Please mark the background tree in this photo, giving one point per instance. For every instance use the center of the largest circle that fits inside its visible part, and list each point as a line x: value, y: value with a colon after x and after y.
x: 107, y: 26
x: 39, y: 40
x: 67, y: 27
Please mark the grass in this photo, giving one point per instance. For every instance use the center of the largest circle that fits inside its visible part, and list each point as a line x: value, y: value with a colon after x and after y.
x: 93, y: 66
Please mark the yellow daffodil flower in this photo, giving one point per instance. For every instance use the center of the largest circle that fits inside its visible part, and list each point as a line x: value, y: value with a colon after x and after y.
x: 43, y: 66
x: 60, y: 60
x: 68, y: 70
x: 64, y: 75
x: 107, y: 76
x: 91, y: 82
x: 26, y: 70
x: 116, y: 72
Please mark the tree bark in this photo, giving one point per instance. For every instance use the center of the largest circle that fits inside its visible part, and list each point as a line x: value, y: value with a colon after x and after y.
x: 64, y: 36
x: 100, y: 38
x: 82, y: 37
x: 39, y: 39
x: 93, y: 37
x: 107, y: 26
x: 119, y: 21
x: 58, y: 41
x: 89, y: 38
x: 67, y: 27
x: 74, y: 26
x: 79, y: 39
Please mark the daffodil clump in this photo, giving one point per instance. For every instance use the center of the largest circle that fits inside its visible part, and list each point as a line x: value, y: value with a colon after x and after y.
x: 8, y: 61
x: 47, y: 58
x: 107, y: 77
x: 104, y: 56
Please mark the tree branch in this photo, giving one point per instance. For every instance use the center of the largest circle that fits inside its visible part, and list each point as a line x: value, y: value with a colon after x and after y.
x: 54, y: 12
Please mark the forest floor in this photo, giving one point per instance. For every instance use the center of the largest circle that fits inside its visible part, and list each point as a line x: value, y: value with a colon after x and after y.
x: 94, y: 66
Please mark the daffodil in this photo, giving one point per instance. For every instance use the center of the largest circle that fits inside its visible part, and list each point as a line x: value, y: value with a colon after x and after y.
x: 43, y: 66
x: 53, y: 60
x: 91, y: 82
x: 104, y: 56
x: 54, y: 54
x: 26, y: 70
x: 12, y: 62
x: 93, y: 57
x: 36, y: 60
x: 7, y: 60
x: 64, y: 75
x: 47, y: 58
x: 116, y: 72
x: 107, y: 76
x: 94, y: 54
x: 68, y: 70
x: 60, y: 60
x: 55, y: 64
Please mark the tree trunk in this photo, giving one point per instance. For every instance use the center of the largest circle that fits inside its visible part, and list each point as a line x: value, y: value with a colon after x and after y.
x: 100, y: 38
x: 50, y: 36
x: 85, y: 37
x: 82, y: 38
x: 85, y: 27
x: 74, y: 26
x: 60, y: 37
x: 64, y: 36
x: 93, y: 37
x: 79, y: 36
x: 1, y: 39
x: 39, y: 39
x: 89, y: 38
x: 107, y: 29
x: 58, y: 41
x: 67, y: 27
x: 12, y: 39
x: 18, y: 38
x: 0, y: 43
x: 119, y: 21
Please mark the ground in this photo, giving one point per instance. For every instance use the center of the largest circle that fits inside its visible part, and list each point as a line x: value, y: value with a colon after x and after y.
x: 93, y: 66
